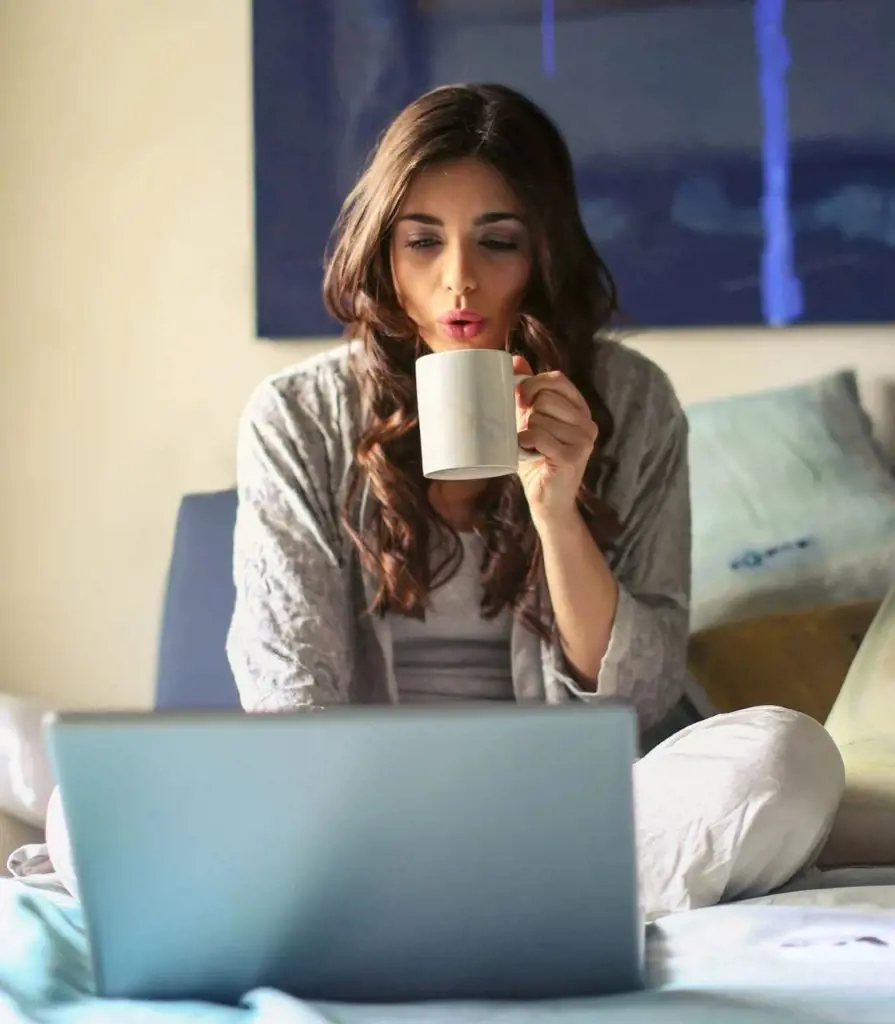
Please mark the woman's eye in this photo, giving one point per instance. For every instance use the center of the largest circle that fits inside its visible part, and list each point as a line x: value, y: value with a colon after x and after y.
x: 500, y: 244
x: 421, y: 243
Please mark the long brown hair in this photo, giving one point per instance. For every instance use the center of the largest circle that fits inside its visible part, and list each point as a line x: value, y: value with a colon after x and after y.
x: 569, y: 301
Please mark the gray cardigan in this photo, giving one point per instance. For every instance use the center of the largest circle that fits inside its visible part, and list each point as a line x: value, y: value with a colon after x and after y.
x: 301, y: 636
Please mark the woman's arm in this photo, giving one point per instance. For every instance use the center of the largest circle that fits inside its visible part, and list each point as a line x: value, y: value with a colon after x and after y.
x: 583, y: 593
x: 624, y: 631
x: 289, y: 643
x: 621, y: 629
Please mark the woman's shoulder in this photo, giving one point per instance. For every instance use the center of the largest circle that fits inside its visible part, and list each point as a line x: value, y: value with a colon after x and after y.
x: 637, y: 391
x: 316, y: 398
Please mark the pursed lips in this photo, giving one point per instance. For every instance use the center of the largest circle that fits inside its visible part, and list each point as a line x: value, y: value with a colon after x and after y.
x: 461, y: 324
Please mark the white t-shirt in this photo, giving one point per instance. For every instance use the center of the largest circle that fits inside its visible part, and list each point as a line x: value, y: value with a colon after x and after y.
x: 454, y: 654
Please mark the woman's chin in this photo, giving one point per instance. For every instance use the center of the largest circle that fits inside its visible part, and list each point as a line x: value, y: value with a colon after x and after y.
x: 439, y: 343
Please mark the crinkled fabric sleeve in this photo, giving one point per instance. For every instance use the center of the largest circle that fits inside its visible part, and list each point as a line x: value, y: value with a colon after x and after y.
x: 289, y: 642
x: 645, y: 662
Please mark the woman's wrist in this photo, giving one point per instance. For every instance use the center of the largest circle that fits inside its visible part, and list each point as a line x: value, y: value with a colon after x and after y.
x: 562, y: 522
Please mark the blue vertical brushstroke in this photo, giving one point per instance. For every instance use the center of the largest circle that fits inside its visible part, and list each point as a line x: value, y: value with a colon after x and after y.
x: 548, y: 37
x: 781, y: 290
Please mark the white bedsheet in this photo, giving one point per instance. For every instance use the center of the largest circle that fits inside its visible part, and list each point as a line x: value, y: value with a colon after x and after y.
x: 824, y: 956
x: 804, y: 939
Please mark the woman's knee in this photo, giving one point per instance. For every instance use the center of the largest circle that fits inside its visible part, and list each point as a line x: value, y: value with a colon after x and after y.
x: 798, y: 756
x: 734, y: 806
x: 767, y: 745
x: 799, y: 779
x: 794, y: 780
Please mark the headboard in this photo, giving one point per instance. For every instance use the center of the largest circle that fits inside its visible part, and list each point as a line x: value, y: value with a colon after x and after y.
x: 705, y: 364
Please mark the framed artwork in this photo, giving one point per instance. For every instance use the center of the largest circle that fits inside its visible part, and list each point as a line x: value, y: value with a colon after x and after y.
x: 735, y: 159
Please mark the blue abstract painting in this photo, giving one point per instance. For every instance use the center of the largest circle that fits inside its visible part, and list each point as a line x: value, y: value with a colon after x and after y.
x: 735, y: 158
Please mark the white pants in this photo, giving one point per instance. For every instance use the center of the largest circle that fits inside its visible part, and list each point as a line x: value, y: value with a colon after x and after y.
x: 730, y: 807
x: 733, y: 807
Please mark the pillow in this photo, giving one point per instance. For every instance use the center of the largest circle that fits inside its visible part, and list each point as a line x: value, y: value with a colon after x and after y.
x: 862, y: 722
x: 794, y: 659
x: 13, y: 834
x: 793, y: 503
x: 26, y: 777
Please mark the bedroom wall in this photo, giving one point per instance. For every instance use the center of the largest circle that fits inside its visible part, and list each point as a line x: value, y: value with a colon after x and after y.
x: 126, y: 333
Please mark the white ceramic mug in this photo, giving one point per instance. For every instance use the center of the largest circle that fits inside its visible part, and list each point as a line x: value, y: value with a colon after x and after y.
x: 467, y: 413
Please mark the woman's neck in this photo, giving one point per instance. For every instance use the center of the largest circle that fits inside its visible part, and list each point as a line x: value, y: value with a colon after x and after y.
x: 454, y: 500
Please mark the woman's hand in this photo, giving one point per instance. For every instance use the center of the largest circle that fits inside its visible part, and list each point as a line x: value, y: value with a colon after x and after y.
x: 554, y: 420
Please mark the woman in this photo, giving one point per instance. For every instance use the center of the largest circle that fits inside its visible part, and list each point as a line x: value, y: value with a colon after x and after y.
x: 358, y: 580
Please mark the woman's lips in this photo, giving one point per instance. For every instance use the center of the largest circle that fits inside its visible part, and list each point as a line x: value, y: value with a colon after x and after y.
x: 462, y: 330
x: 461, y: 324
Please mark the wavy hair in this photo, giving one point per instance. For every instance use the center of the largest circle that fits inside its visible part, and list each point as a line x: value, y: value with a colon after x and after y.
x: 569, y: 302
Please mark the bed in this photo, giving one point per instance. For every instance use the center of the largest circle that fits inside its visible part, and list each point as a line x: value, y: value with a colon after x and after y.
x: 823, y: 949
x: 822, y: 953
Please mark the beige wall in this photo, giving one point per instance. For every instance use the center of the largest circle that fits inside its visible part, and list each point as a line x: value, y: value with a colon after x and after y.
x: 126, y: 335
x: 126, y: 338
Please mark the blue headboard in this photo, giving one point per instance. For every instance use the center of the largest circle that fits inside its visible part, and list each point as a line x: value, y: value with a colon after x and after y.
x: 192, y: 668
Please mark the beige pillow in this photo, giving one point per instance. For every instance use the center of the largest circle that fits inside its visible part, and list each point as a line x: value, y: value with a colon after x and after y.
x: 13, y: 834
x: 862, y: 722
x: 797, y: 660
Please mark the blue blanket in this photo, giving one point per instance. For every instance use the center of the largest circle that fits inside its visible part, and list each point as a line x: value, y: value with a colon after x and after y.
x: 734, y: 964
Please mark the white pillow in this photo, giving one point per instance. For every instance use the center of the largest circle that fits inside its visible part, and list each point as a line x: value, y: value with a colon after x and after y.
x: 26, y: 778
x: 793, y: 504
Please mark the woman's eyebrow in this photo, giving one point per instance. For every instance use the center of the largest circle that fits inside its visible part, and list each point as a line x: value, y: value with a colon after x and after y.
x: 485, y: 218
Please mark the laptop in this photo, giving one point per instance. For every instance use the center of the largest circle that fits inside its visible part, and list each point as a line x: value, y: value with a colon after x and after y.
x: 360, y: 855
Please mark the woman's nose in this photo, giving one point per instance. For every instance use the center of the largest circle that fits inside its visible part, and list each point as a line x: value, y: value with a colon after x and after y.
x: 459, y: 274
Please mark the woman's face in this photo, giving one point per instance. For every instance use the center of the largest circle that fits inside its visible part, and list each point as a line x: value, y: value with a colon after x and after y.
x: 461, y: 256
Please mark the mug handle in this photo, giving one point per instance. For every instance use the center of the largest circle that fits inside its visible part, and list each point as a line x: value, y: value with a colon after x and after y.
x: 525, y: 454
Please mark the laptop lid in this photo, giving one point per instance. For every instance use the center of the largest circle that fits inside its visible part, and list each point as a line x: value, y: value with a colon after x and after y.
x: 355, y: 855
